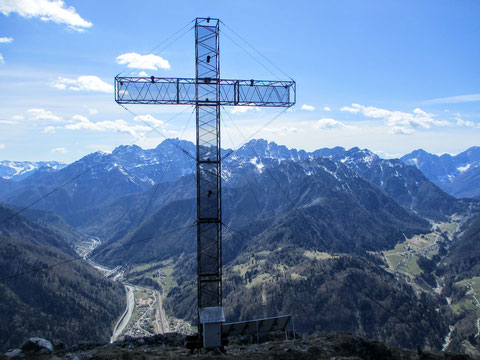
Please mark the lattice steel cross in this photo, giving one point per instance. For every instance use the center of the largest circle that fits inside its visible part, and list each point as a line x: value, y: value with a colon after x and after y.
x: 207, y: 92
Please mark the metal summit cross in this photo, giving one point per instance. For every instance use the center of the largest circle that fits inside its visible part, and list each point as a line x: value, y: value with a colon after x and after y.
x: 207, y: 91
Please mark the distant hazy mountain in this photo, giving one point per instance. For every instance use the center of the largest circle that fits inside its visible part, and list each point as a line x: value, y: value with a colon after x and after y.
x: 70, y: 303
x: 83, y: 192
x: 457, y: 175
x: 99, y: 178
x: 18, y: 170
x: 350, y: 214
x: 406, y: 184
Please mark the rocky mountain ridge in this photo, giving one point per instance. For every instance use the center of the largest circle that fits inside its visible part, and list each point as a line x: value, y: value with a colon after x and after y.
x: 19, y: 170
x: 457, y: 175
x: 99, y: 178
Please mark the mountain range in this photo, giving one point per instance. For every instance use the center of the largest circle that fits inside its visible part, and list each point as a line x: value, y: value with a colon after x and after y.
x: 19, y: 170
x: 457, y: 175
x: 296, y: 224
x: 101, y: 178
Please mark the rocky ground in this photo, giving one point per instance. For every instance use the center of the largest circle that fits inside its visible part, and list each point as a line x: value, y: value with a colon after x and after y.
x: 329, y: 346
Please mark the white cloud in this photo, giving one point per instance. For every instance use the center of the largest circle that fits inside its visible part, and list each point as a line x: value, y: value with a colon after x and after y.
x: 56, y: 11
x: 100, y: 147
x: 328, y: 123
x: 83, y: 83
x: 402, y: 120
x: 467, y: 123
x: 49, y: 130
x: 80, y: 122
x: 93, y: 111
x: 5, y: 40
x: 284, y: 130
x: 42, y: 114
x: 387, y: 155
x: 2, y: 146
x: 13, y: 120
x: 142, y: 73
x: 455, y: 99
x: 244, y: 109
x: 2, y: 61
x: 149, y: 119
x: 59, y: 150
x: 79, y: 118
x: 137, y: 61
x: 354, y: 109
x: 8, y: 122
x: 327, y: 108
x: 308, y: 107
x: 400, y: 130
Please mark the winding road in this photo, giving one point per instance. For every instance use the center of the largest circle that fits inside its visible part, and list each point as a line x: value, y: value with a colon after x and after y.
x: 160, y: 323
x: 127, y: 314
x: 125, y: 318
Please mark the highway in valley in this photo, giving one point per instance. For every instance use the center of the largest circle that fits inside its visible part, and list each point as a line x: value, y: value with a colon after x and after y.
x: 161, y: 323
x: 127, y: 314
x: 153, y: 314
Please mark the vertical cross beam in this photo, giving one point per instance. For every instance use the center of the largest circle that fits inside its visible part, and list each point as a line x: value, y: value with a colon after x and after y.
x: 209, y: 212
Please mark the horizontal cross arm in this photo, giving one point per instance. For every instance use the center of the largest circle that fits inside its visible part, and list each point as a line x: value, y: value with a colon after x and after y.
x: 183, y: 91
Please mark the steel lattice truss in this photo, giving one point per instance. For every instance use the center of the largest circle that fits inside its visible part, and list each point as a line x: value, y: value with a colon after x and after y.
x: 207, y: 92
x: 151, y: 90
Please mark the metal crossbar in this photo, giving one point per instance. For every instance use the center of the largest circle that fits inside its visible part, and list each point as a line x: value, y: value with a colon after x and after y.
x: 178, y: 91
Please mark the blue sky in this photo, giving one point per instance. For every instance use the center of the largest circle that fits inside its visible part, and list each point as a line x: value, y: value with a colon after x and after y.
x: 391, y: 76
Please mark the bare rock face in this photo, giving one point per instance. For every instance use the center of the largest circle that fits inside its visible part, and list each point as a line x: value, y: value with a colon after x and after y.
x: 14, y: 353
x: 38, y: 345
x: 323, y: 346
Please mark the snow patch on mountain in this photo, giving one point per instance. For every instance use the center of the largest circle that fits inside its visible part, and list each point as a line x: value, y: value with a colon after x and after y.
x: 457, y: 175
x: 462, y: 169
x: 18, y: 170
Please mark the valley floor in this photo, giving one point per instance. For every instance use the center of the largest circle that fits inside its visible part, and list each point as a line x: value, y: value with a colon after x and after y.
x: 144, y: 314
x: 402, y: 261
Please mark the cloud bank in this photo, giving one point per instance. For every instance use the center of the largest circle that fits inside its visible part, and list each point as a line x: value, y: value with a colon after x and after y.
x: 329, y: 123
x: 455, y: 99
x: 308, y: 107
x: 400, y: 122
x: 42, y: 114
x: 83, y: 83
x: 137, y: 61
x: 80, y: 122
x: 56, y: 11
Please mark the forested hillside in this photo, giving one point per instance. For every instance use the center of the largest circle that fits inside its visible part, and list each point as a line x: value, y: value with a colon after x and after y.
x: 70, y: 302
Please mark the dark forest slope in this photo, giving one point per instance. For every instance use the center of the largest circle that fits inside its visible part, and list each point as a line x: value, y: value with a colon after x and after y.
x: 71, y: 302
x: 323, y: 293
